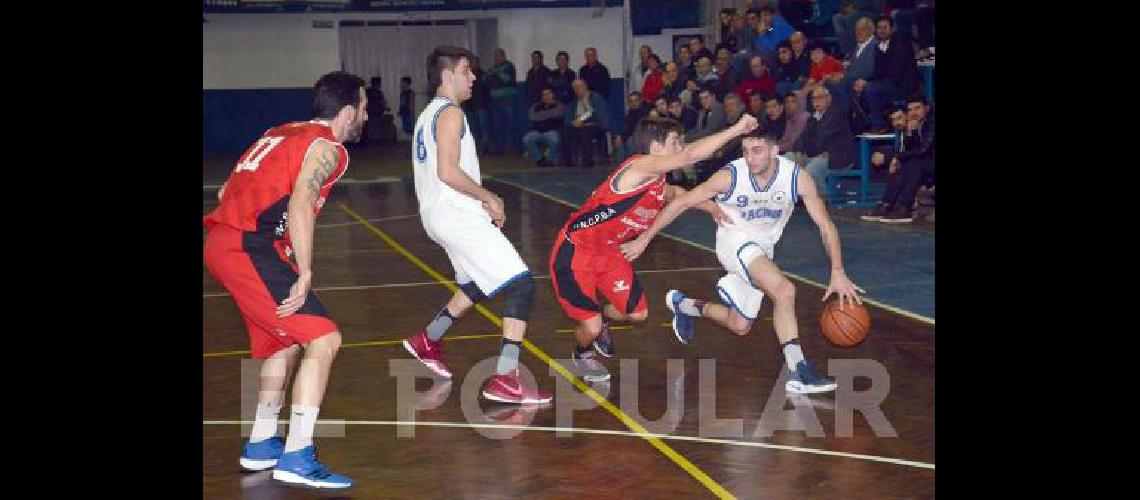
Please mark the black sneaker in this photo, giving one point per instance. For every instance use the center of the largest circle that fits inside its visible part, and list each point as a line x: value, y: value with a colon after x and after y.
x: 877, y: 213
x: 604, y: 344
x: 898, y: 215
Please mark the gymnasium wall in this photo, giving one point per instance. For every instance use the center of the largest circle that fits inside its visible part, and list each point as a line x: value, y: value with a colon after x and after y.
x: 257, y: 69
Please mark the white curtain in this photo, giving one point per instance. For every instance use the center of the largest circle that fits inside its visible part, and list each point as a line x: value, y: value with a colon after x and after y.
x: 392, y: 52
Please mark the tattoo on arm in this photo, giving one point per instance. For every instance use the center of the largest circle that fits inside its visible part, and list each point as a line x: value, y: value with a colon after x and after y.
x: 327, y: 161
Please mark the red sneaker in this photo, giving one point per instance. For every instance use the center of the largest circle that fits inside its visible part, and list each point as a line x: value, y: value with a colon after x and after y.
x: 508, y: 388
x: 428, y: 352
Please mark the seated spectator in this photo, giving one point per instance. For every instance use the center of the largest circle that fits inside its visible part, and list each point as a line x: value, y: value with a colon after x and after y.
x: 844, y: 22
x: 654, y: 80
x: 746, y: 39
x: 706, y: 79
x: 710, y: 120
x: 896, y: 74
x: 725, y: 17
x: 756, y: 106
x: 586, y: 121
x: 772, y: 29
x: 685, y: 64
x: 924, y: 27
x: 773, y: 119
x: 545, y: 122
x: 660, y: 107
x: 595, y: 74
x: 638, y: 73
x: 801, y: 57
x: 538, y: 77
x: 730, y: 37
x: 787, y: 72
x: 884, y: 155
x: 727, y: 76
x: 684, y: 115
x: 826, y: 142
x: 672, y: 84
x: 561, y: 78
x: 733, y: 110
x: 824, y: 68
x: 795, y: 119
x: 758, y: 79
x: 698, y: 50
x: 861, y: 59
x: 911, y: 164
x: 636, y: 110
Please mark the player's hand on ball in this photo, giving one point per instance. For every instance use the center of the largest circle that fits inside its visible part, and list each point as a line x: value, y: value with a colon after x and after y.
x: 633, y: 249
x: 844, y: 287
x: 296, y: 298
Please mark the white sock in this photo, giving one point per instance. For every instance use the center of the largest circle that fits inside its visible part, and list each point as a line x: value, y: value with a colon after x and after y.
x: 264, y: 423
x: 793, y: 354
x: 301, y: 424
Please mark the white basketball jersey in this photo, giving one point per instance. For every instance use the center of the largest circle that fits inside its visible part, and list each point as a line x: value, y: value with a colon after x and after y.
x: 429, y: 189
x: 761, y: 212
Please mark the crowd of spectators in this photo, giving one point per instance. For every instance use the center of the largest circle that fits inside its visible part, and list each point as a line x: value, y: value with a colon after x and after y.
x: 816, y: 94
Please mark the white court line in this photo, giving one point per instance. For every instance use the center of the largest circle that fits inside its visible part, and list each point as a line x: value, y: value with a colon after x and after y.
x: 727, y: 442
x: 376, y: 180
x: 426, y: 283
x: 904, y: 312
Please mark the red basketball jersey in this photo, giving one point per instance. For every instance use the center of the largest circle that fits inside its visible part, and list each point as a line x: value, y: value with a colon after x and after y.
x: 257, y: 193
x: 611, y: 217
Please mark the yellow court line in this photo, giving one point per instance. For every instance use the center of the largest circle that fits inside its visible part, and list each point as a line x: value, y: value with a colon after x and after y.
x: 866, y: 300
x: 665, y: 449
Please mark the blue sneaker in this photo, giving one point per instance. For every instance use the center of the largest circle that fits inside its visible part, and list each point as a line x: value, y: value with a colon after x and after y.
x: 682, y: 323
x: 262, y: 454
x: 301, y: 467
x: 806, y: 381
x: 604, y: 344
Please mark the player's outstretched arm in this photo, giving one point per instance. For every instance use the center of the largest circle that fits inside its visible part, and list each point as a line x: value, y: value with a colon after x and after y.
x: 839, y: 283
x: 318, y: 164
x: 448, y: 128
x: 697, y: 151
x: 718, y: 183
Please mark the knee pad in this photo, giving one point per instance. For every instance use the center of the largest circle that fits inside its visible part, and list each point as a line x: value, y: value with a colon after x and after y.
x: 471, y: 290
x: 520, y: 297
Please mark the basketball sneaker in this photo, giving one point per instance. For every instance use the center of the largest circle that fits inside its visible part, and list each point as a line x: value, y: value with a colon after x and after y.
x: 604, y: 344
x: 429, y: 352
x: 682, y: 323
x: 302, y: 468
x: 262, y: 454
x: 509, y: 388
x: 588, y: 366
x: 806, y: 381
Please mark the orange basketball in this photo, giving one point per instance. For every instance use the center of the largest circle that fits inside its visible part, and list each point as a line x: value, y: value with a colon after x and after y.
x: 846, y: 326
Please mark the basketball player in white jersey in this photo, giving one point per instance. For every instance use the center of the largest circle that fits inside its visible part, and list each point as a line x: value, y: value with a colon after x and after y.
x: 465, y: 219
x: 758, y: 192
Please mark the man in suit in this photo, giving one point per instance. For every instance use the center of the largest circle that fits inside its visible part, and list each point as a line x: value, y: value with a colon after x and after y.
x: 895, y: 76
x: 585, y: 121
x: 826, y: 141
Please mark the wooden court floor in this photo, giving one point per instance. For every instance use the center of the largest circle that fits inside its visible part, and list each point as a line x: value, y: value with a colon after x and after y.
x: 379, y: 276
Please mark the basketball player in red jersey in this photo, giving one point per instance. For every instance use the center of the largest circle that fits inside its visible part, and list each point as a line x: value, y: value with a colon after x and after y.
x: 260, y: 248
x: 587, y: 257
